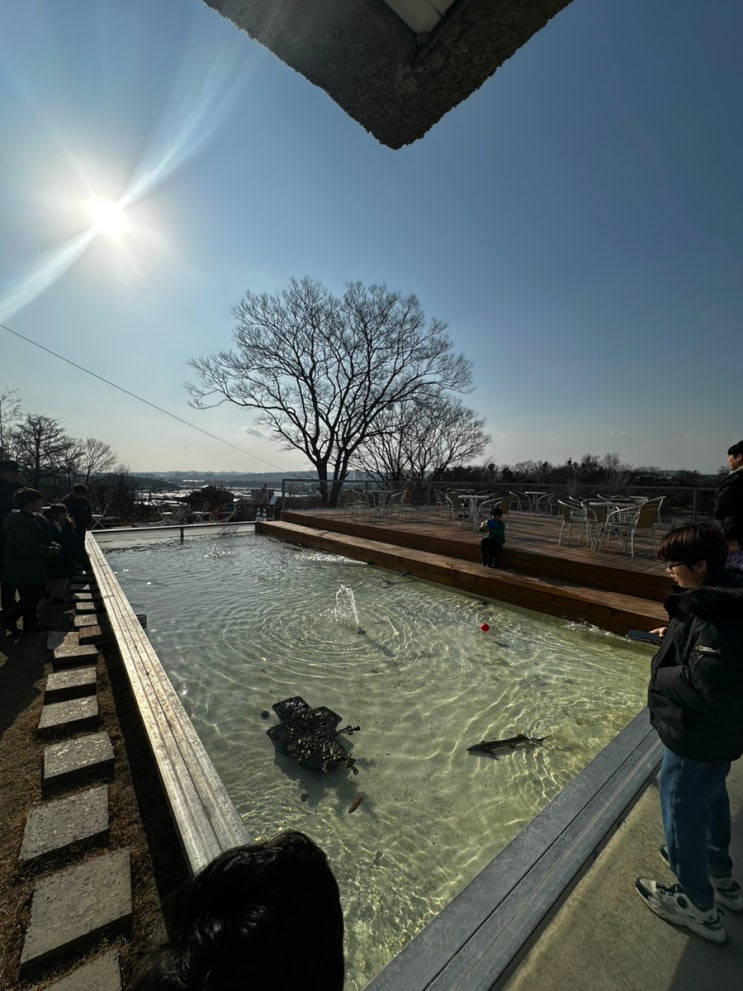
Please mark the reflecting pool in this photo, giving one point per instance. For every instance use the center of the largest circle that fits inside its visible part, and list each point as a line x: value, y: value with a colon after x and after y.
x: 244, y: 621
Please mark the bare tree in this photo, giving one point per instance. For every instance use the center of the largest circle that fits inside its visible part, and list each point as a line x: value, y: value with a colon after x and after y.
x: 10, y: 414
x: 421, y: 439
x: 96, y: 459
x: 323, y: 370
x: 40, y: 443
x: 70, y: 458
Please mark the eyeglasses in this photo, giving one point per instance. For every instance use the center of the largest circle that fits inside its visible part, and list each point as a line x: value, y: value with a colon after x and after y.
x: 674, y: 564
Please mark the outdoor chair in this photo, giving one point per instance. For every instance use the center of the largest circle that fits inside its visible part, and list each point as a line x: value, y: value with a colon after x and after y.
x: 572, y: 515
x: 594, y: 520
x: 626, y: 524
x: 519, y: 501
x: 400, y: 502
x: 223, y: 513
x: 504, y: 504
x: 354, y: 502
x: 98, y: 519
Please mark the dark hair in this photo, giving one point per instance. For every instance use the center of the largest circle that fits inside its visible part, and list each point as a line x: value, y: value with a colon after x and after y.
x: 266, y: 915
x: 24, y: 497
x: 496, y: 511
x: 8, y: 466
x: 736, y: 449
x: 689, y: 543
x: 82, y: 489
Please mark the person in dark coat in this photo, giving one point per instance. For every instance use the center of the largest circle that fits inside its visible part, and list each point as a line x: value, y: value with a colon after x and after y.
x: 728, y: 509
x: 9, y: 485
x: 60, y: 569
x: 81, y: 513
x: 24, y: 565
x: 695, y: 699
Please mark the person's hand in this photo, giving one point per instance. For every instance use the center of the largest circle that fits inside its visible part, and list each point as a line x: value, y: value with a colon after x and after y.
x: 660, y: 632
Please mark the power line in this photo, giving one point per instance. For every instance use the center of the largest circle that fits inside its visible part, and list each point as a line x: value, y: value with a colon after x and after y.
x: 133, y: 395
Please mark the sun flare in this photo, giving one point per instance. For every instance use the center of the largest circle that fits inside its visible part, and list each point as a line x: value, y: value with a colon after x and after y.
x: 107, y: 217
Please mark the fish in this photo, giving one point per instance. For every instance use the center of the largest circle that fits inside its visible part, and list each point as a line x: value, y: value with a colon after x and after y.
x: 497, y: 748
x: 355, y: 804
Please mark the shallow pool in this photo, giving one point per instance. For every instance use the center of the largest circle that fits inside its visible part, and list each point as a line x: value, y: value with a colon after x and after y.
x: 243, y: 621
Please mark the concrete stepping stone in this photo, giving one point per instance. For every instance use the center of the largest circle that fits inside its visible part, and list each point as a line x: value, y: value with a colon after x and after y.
x: 95, y: 635
x: 89, y: 619
x: 83, y: 608
x: 72, y: 763
x: 74, y: 714
x: 58, y: 824
x: 73, y: 908
x: 101, y: 974
x: 71, y: 683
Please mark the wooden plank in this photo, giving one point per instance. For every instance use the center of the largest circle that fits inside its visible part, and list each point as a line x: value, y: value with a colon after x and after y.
x: 205, y: 818
x: 611, y: 611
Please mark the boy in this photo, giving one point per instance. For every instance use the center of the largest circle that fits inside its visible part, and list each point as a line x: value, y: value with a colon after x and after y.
x: 495, y: 539
x: 695, y: 699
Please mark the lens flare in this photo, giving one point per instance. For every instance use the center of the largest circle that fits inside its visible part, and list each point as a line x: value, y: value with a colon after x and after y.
x: 107, y: 218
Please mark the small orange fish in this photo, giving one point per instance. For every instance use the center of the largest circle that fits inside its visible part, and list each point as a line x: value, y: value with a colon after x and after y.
x: 355, y: 804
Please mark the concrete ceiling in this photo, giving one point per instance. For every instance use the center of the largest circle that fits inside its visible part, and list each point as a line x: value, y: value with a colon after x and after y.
x: 395, y: 66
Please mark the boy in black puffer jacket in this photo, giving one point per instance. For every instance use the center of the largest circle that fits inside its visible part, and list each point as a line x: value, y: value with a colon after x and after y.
x: 695, y: 698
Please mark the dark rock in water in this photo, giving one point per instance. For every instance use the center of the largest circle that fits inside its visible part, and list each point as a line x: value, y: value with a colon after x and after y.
x: 310, y: 736
x: 304, y: 796
x: 361, y: 632
x: 265, y: 714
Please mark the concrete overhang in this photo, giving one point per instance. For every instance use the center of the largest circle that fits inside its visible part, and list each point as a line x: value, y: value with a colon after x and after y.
x: 395, y: 66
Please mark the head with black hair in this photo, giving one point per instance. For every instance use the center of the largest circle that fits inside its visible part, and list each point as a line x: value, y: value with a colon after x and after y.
x: 27, y: 499
x: 695, y: 553
x: 260, y: 916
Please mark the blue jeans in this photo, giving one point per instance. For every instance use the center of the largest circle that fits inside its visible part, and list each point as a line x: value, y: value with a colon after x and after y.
x: 696, y: 821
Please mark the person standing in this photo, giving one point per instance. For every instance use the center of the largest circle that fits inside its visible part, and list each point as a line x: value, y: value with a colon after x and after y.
x: 695, y: 699
x: 9, y: 484
x: 728, y: 508
x: 24, y: 565
x: 81, y: 514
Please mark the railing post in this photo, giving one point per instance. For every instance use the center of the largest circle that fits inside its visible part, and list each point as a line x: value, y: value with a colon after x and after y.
x: 182, y: 535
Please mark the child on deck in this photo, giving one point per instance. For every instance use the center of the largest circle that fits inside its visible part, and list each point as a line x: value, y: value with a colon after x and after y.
x: 495, y: 539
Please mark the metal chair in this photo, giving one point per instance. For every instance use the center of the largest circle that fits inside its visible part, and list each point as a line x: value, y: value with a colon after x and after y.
x: 625, y: 524
x: 223, y: 513
x: 571, y: 516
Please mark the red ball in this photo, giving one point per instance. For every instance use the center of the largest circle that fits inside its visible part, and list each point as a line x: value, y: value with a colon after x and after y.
x: 484, y: 627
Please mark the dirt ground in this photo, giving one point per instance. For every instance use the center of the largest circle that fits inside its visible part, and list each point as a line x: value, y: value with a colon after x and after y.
x: 157, y: 868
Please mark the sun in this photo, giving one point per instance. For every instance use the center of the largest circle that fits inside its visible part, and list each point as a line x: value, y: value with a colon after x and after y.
x: 107, y: 217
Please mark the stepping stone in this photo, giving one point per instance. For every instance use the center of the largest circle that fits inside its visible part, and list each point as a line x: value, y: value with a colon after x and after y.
x: 85, y: 597
x: 58, y: 824
x: 79, y: 622
x: 82, y: 655
x: 74, y: 714
x: 102, y: 974
x: 73, y: 908
x: 81, y: 608
x: 95, y: 634
x: 72, y: 763
x: 71, y: 683
x: 57, y: 638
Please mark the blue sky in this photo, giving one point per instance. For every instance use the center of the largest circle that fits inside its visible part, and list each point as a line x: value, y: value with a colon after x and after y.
x: 578, y: 224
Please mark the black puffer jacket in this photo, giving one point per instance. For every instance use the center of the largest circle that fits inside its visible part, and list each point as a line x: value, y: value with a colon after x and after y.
x: 696, y: 682
x: 729, y: 505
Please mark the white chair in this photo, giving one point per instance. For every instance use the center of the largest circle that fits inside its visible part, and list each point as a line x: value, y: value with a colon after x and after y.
x: 98, y: 519
x: 625, y: 524
x: 400, y: 502
x: 571, y: 516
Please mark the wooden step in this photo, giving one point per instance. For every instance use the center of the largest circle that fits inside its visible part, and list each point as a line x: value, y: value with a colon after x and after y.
x: 599, y: 571
x: 611, y: 611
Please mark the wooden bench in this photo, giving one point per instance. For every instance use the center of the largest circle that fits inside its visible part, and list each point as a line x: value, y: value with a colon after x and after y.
x: 205, y: 818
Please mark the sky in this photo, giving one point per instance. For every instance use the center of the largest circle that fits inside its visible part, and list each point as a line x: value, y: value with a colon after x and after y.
x: 577, y: 223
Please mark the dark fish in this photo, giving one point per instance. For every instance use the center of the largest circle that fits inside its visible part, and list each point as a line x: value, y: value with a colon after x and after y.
x: 496, y: 748
x: 355, y: 804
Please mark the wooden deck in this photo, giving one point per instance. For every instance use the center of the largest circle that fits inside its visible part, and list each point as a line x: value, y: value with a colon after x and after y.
x: 607, y: 588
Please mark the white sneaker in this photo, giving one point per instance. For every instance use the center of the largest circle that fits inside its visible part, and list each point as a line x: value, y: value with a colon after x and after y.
x: 671, y: 903
x: 728, y: 892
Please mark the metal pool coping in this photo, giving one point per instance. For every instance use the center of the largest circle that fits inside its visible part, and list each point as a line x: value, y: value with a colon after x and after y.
x: 474, y: 943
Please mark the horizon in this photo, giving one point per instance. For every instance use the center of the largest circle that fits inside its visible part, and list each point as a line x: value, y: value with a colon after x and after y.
x: 576, y: 222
